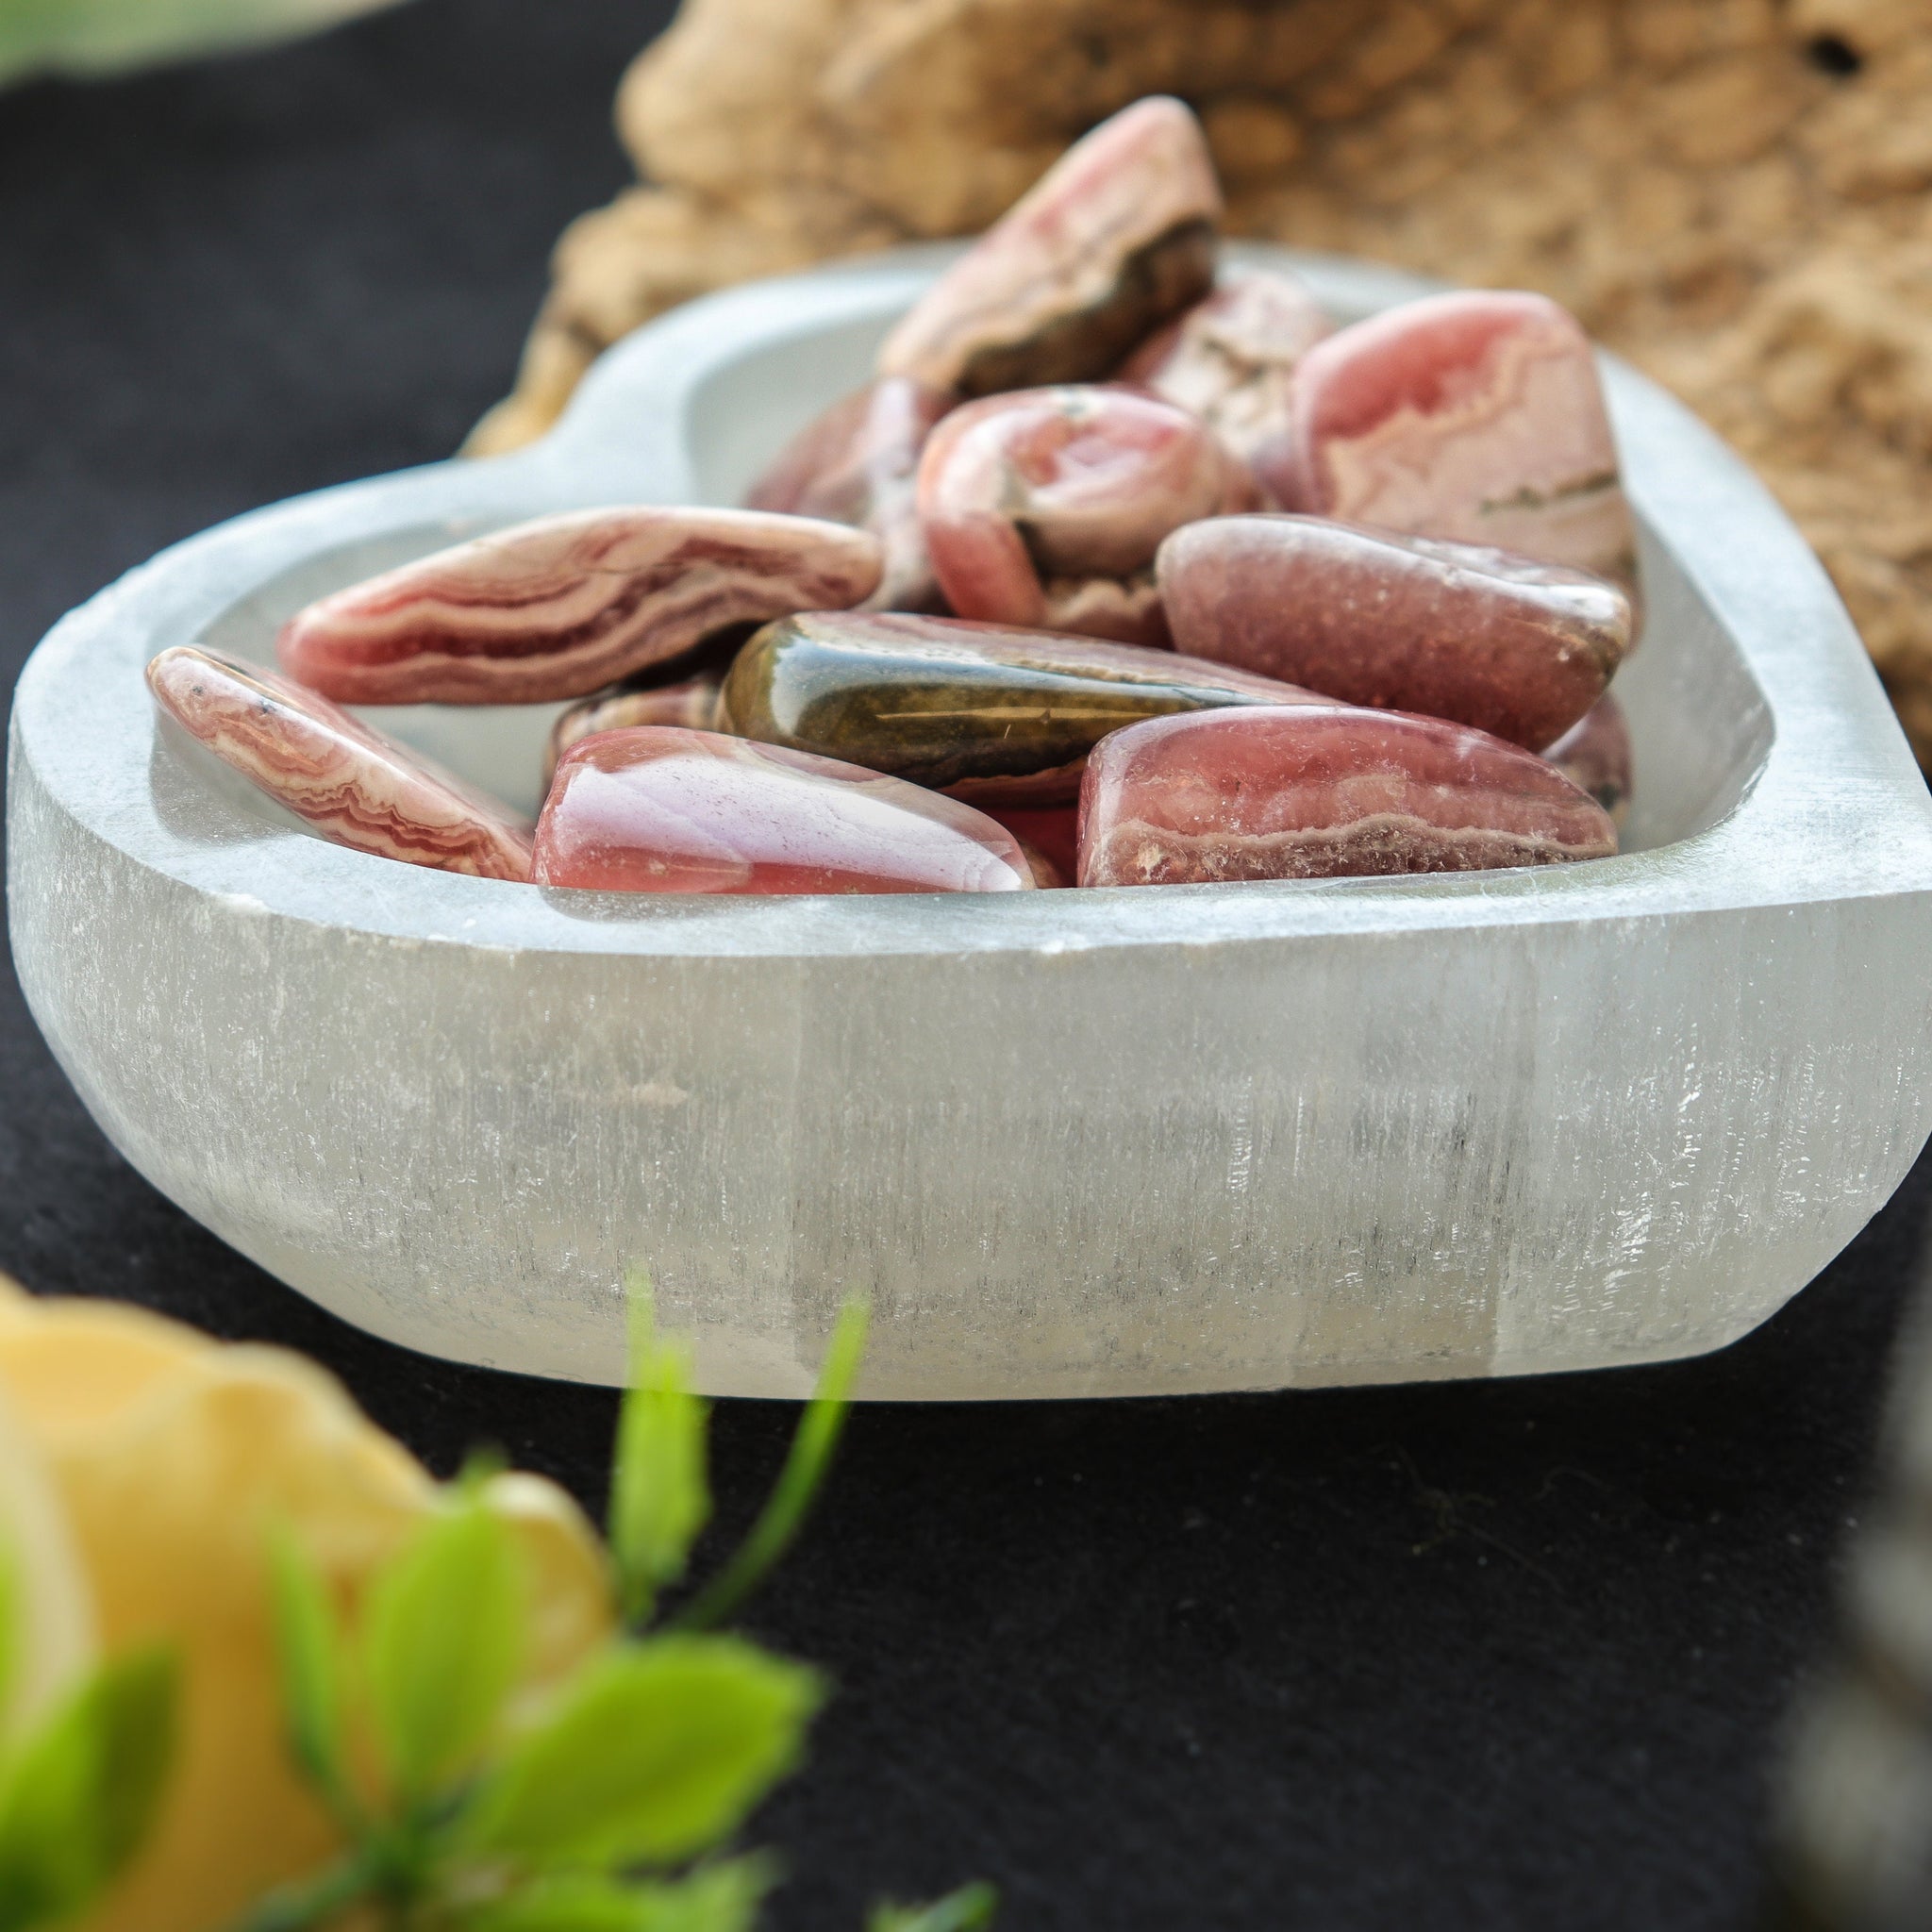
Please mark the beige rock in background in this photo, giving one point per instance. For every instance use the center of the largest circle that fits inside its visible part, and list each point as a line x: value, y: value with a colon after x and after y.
x: 1736, y: 193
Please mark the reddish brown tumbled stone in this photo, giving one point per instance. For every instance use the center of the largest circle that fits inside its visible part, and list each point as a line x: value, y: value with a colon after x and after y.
x: 556, y: 608
x: 1117, y: 237
x: 1050, y: 832
x: 1232, y: 360
x: 1460, y: 631
x: 1322, y: 791
x: 858, y: 464
x: 354, y: 786
x: 1045, y: 507
x: 661, y: 809
x: 1596, y: 753
x: 1475, y: 416
x: 691, y: 701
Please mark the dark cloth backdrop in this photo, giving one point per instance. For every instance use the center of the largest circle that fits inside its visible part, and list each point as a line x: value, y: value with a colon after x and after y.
x: 1495, y: 1656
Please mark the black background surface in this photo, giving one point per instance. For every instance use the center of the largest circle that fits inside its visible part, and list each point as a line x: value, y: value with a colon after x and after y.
x: 1469, y: 1655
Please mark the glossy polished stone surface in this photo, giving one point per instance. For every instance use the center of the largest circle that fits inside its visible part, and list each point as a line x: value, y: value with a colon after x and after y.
x: 1117, y: 237
x: 690, y: 700
x: 992, y: 714
x: 858, y: 464
x: 1322, y: 791
x: 1232, y: 360
x: 554, y: 607
x: 1045, y: 508
x: 353, y: 785
x: 661, y: 809
x: 1514, y: 647
x: 1474, y: 416
x: 1596, y: 754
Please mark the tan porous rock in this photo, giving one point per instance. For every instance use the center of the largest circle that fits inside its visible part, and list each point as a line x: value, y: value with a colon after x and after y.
x: 1735, y: 193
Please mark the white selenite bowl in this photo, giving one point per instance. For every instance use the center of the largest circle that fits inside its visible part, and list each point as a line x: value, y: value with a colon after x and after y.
x: 1071, y: 1143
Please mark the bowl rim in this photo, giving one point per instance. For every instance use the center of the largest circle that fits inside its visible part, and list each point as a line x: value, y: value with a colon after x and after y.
x: 1837, y: 810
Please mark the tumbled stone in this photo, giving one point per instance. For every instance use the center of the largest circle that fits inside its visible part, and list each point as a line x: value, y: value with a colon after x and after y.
x: 1049, y: 835
x: 1322, y: 791
x: 858, y: 464
x: 691, y: 701
x: 658, y: 809
x: 556, y: 608
x: 1475, y: 416
x: 1117, y: 237
x: 985, y: 713
x: 1479, y: 636
x: 354, y: 786
x: 1596, y: 753
x: 1045, y: 508
x: 1232, y: 360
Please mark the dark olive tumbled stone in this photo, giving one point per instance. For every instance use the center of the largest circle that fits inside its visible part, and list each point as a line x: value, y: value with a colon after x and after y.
x: 984, y: 711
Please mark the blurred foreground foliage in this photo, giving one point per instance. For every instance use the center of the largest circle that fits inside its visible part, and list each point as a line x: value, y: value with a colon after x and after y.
x: 85, y: 36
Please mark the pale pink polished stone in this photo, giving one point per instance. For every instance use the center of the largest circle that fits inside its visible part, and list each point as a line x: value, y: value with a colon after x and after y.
x: 661, y: 809
x: 353, y: 785
x: 1515, y: 647
x: 858, y: 464
x: 1043, y: 508
x: 556, y: 608
x: 1232, y: 360
x: 1114, y: 238
x: 1474, y: 416
x: 1321, y: 792
x: 1596, y: 754
x: 691, y: 701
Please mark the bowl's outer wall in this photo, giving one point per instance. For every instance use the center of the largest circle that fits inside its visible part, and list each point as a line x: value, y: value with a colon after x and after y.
x: 1070, y: 1145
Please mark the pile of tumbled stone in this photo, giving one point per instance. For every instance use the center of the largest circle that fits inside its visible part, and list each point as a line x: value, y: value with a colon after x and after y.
x: 1118, y: 573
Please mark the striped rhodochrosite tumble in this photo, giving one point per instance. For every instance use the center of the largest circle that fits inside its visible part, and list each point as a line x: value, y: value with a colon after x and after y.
x: 1476, y: 415
x: 1462, y: 631
x: 1116, y: 238
x: 658, y: 809
x: 354, y: 786
x: 556, y: 608
x: 1322, y: 791
x: 1231, y: 359
x: 1045, y: 508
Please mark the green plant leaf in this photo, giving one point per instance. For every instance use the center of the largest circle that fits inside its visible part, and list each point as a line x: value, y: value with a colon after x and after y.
x: 968, y: 1910
x: 655, y: 1751
x: 658, y: 1495
x: 83, y: 1790
x: 319, y: 1899
x: 443, y: 1637
x: 308, y: 1651
x: 721, y: 1898
x: 798, y: 1484
x: 12, y: 1616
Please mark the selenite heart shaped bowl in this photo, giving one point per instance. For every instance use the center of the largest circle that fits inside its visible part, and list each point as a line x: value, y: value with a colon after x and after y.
x: 1103, y: 1143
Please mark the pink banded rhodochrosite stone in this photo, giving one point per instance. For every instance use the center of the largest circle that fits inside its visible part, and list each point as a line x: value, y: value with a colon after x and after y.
x: 691, y: 701
x: 1232, y: 360
x: 1043, y: 508
x: 1114, y: 238
x: 353, y: 785
x: 1474, y: 416
x: 661, y: 809
x: 554, y: 608
x: 1322, y: 791
x: 1515, y: 647
x: 858, y: 463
